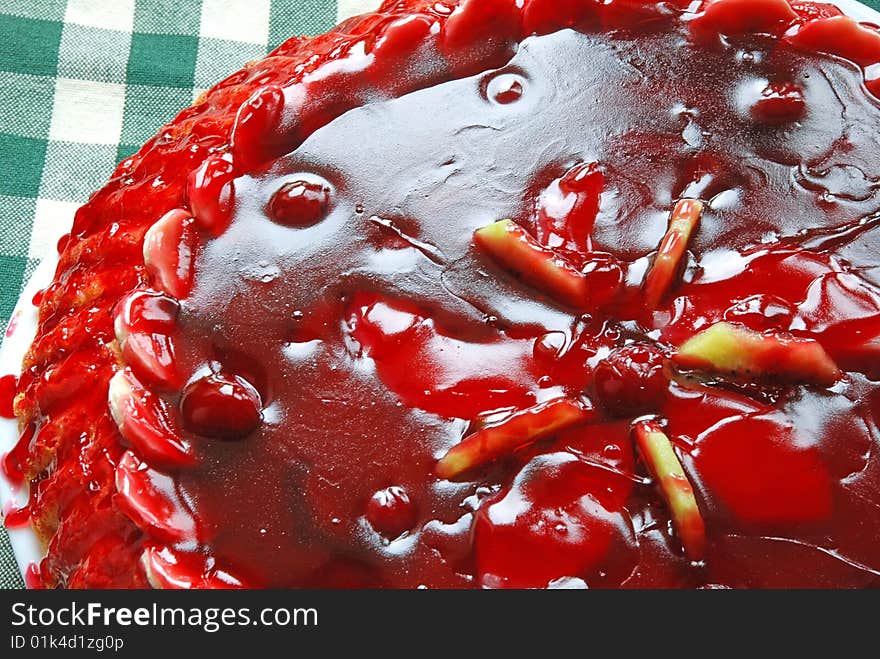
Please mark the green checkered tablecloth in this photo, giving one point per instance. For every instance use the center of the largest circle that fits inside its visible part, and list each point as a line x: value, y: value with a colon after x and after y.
x: 85, y: 82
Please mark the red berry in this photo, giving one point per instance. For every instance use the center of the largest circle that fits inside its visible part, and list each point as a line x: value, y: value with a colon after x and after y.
x: 630, y: 380
x: 211, y: 194
x: 391, y: 512
x: 300, y: 203
x: 221, y: 406
x: 780, y: 103
x: 254, y: 137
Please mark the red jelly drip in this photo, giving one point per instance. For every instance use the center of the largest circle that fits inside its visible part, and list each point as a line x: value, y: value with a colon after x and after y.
x: 33, y: 579
x: 38, y: 298
x: 17, y: 518
x: 15, y: 462
x: 256, y: 124
x: 8, y: 387
x: 630, y: 380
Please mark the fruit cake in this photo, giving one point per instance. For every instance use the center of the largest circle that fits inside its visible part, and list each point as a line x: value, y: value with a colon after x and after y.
x: 480, y: 294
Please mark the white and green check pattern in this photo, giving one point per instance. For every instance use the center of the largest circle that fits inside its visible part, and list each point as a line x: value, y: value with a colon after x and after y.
x: 85, y: 82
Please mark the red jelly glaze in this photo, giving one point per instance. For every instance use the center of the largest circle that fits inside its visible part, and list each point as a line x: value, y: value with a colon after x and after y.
x: 383, y: 344
x: 779, y: 104
x: 8, y: 385
x: 15, y: 461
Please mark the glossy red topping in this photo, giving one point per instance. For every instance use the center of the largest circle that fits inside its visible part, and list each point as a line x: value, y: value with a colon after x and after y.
x: 416, y: 401
x: 8, y: 385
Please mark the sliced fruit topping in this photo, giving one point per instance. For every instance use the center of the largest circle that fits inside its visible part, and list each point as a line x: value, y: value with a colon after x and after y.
x: 147, y: 422
x: 663, y: 464
x: 255, y: 124
x: 556, y: 522
x: 736, y: 350
x: 144, y: 322
x: 779, y: 103
x: 515, y: 249
x: 210, y: 193
x: 391, y: 512
x: 630, y: 380
x: 150, y: 499
x: 515, y: 431
x: 168, y: 568
x: 670, y: 254
x: 170, y: 251
x: 221, y: 406
x: 300, y: 203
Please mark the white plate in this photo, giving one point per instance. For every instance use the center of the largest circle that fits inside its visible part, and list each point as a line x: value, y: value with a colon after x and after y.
x: 23, y: 327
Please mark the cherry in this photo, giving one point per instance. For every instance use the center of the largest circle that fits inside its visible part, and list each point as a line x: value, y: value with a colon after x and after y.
x: 630, y: 380
x: 221, y: 406
x: 255, y: 124
x: 780, y: 103
x: 604, y: 275
x: 391, y: 512
x: 300, y: 203
x: 211, y: 194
